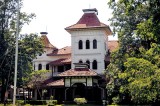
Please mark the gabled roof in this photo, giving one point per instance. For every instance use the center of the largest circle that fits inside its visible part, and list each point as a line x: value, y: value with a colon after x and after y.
x: 61, y: 61
x: 78, y: 72
x: 64, y: 51
x: 56, y: 83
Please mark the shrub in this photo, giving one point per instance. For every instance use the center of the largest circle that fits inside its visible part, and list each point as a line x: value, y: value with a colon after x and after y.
x: 51, y: 102
x: 80, y: 101
x: 27, y: 105
x: 20, y: 102
x: 115, y: 100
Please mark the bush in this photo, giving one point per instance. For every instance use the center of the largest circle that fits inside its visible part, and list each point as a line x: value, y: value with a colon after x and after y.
x: 42, y: 102
x: 27, y: 105
x: 51, y: 102
x: 20, y: 102
x: 116, y: 100
x: 80, y: 101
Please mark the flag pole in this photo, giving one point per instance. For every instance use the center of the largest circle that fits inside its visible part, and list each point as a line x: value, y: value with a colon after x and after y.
x: 16, y: 55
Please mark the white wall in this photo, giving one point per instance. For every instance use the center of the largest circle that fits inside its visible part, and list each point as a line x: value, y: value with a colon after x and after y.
x: 89, y: 54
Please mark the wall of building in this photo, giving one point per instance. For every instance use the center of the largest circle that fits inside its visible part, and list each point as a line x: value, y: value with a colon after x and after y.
x: 89, y: 54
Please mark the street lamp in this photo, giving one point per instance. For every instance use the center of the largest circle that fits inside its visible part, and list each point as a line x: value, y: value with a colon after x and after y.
x: 16, y: 55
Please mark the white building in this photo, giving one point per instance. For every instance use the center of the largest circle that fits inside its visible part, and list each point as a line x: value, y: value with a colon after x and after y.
x: 89, y: 44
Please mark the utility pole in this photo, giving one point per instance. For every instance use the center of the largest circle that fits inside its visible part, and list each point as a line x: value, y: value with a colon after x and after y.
x: 16, y: 55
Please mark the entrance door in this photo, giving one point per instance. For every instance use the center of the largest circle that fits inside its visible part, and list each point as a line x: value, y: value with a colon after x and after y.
x: 79, y: 90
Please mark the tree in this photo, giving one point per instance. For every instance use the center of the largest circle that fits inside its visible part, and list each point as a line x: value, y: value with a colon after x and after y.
x: 135, y: 65
x: 36, y: 79
x: 29, y: 45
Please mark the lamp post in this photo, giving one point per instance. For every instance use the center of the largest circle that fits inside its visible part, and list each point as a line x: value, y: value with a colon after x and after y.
x: 16, y: 55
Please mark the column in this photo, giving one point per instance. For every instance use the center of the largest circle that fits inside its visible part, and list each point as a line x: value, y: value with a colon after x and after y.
x: 43, y: 66
x: 36, y: 66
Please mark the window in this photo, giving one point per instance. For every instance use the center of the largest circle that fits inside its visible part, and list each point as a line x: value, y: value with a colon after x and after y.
x: 80, y: 61
x: 88, y: 62
x: 94, y: 44
x: 47, y: 66
x: 87, y: 44
x: 80, y: 44
x: 60, y: 68
x: 94, y: 65
x: 39, y: 66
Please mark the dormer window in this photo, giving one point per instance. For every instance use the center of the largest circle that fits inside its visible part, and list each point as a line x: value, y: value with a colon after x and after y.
x: 87, y: 44
x: 94, y: 44
x: 80, y: 44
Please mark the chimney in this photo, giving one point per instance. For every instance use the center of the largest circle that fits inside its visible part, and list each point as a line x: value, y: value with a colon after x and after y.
x: 93, y: 10
x: 43, y: 33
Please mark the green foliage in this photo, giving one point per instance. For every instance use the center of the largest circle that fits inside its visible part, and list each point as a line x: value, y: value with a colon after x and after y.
x: 20, y: 102
x: 141, y: 79
x: 134, y: 68
x: 27, y: 105
x: 80, y: 101
x: 42, y: 102
x: 116, y: 100
x: 29, y: 45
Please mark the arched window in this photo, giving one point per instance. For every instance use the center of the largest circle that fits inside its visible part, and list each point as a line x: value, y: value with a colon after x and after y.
x: 39, y: 66
x: 94, y: 64
x: 80, y: 61
x: 80, y: 44
x: 94, y: 44
x: 47, y: 66
x: 88, y: 62
x: 87, y: 44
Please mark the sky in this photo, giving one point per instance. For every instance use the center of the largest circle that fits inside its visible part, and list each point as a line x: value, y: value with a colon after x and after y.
x: 53, y: 16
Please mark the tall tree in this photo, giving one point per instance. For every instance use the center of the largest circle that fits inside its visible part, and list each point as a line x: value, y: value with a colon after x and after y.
x: 29, y: 45
x: 137, y: 59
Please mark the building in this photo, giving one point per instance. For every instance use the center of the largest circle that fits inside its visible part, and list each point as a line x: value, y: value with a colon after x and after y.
x: 77, y: 71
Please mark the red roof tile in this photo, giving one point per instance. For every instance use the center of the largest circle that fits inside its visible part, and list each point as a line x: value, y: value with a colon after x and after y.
x: 62, y: 51
x: 112, y: 45
x: 78, y: 72
x: 61, y: 61
x: 56, y: 83
x: 46, y: 42
x: 89, y: 20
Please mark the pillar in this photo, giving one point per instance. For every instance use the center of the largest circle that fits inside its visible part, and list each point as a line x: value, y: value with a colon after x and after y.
x: 43, y: 66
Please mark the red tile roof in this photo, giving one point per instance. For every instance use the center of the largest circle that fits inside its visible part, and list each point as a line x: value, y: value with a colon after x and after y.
x: 78, y: 72
x: 89, y: 20
x: 62, y: 51
x: 56, y: 83
x: 112, y: 45
x: 46, y: 42
x: 61, y: 61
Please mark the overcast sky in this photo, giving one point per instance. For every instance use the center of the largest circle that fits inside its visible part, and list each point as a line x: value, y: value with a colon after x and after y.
x: 54, y: 15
